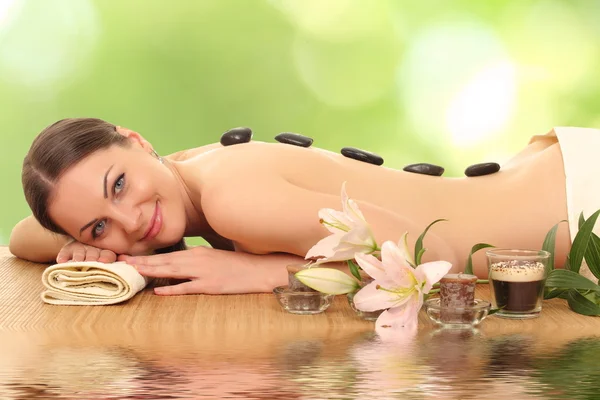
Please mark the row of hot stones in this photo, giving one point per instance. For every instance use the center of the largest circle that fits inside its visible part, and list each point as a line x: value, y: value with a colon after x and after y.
x: 244, y: 135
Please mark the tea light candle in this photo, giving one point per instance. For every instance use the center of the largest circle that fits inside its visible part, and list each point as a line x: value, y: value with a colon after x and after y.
x: 457, y: 290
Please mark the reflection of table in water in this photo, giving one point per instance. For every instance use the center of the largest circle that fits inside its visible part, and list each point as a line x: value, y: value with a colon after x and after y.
x: 223, y: 345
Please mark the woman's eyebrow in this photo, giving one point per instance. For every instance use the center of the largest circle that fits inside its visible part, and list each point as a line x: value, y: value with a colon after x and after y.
x: 87, y: 226
x: 105, y: 179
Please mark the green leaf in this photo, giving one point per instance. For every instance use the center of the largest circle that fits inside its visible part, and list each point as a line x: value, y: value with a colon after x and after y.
x: 592, y: 254
x: 549, y: 244
x: 550, y: 293
x: 582, y: 305
x: 418, y: 258
x: 564, y: 279
x: 354, y: 269
x: 580, y: 243
x: 419, y: 244
x: 474, y: 249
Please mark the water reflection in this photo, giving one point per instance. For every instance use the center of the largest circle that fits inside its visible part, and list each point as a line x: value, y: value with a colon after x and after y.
x: 442, y: 364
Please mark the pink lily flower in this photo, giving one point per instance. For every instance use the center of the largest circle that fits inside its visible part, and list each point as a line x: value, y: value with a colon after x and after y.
x: 350, y: 233
x: 397, y: 286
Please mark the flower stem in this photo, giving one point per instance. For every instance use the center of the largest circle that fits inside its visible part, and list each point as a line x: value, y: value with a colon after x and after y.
x: 486, y: 281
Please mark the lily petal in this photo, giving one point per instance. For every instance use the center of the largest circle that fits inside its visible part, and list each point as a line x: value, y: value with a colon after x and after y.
x: 370, y: 298
x: 350, y: 207
x: 431, y: 272
x: 396, y: 266
x: 324, y: 247
x: 359, y: 238
x: 327, y: 280
x: 372, y: 266
x: 335, y: 221
x: 403, y: 245
x: 405, y: 316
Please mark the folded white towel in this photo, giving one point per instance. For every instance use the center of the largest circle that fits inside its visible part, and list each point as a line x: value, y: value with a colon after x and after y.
x: 91, y: 283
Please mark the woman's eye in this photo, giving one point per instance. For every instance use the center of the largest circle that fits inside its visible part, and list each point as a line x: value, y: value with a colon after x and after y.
x: 98, y: 229
x: 119, y: 183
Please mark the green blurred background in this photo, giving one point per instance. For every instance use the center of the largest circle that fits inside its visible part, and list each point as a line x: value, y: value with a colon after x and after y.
x: 446, y: 82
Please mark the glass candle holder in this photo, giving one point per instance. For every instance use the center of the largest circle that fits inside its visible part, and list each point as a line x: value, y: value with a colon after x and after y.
x: 465, y: 316
x: 517, y: 279
x: 302, y: 302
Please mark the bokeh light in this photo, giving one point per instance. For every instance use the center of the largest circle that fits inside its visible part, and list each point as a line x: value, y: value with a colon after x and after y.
x: 483, y: 106
x: 439, y: 77
x: 47, y: 42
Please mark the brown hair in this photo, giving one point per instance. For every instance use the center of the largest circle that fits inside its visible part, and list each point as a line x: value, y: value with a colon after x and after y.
x: 57, y: 148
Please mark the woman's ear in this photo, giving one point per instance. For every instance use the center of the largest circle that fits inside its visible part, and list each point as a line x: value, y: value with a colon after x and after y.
x: 135, y: 138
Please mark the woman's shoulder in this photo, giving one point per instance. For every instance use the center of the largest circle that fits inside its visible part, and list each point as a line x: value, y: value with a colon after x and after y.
x: 187, y: 154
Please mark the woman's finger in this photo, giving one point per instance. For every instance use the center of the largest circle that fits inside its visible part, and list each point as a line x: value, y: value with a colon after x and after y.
x: 164, y: 271
x: 154, y: 260
x: 180, y: 289
x: 92, y: 254
x: 78, y: 253
x: 107, y: 256
x: 63, y: 256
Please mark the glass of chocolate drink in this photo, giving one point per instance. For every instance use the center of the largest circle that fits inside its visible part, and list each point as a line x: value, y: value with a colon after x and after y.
x: 517, y: 279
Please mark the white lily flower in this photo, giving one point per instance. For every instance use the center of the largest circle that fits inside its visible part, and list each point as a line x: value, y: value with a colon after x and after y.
x: 350, y: 233
x: 397, y: 286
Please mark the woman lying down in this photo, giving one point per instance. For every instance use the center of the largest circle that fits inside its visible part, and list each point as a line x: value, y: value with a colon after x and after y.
x: 99, y: 192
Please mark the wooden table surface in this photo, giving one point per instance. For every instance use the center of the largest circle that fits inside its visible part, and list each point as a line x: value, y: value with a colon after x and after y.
x: 22, y: 310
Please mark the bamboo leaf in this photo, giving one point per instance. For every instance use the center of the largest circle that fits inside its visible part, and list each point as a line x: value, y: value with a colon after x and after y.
x: 419, y: 244
x: 474, y: 249
x: 592, y: 254
x: 582, y: 305
x: 580, y: 243
x: 354, y: 269
x: 418, y: 257
x: 549, y: 244
x: 561, y: 278
x: 550, y: 293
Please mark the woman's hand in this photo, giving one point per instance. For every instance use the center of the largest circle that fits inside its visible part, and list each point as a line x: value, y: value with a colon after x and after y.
x: 213, y: 271
x: 75, y: 251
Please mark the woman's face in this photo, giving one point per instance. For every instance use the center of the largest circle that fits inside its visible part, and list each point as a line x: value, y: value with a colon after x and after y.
x: 121, y: 199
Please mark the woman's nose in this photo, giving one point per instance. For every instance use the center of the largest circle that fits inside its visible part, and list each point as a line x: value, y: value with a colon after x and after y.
x: 130, y: 218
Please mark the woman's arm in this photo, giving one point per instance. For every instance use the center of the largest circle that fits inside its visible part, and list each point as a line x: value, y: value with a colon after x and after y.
x: 30, y: 241
x: 213, y: 271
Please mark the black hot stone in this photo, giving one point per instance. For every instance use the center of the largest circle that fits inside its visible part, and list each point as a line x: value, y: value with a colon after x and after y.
x: 236, y: 136
x: 294, y: 138
x: 362, y: 155
x: 482, y: 169
x: 425, y: 169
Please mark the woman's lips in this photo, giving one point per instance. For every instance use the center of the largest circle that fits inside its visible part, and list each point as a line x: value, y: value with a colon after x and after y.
x: 155, y: 224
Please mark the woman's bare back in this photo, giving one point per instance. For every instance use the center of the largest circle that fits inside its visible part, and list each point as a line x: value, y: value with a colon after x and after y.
x: 512, y: 208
